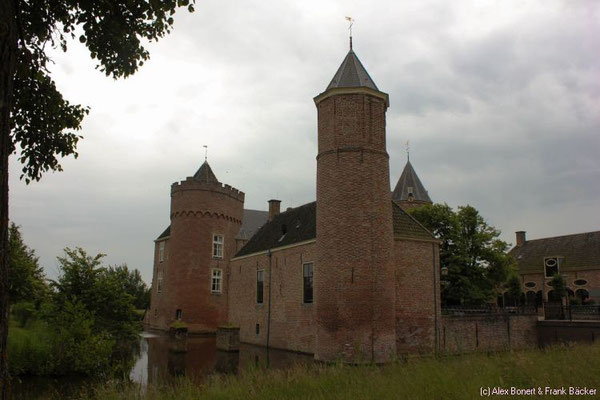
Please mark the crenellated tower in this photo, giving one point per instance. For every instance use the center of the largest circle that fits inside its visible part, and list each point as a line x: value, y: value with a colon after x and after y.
x: 206, y: 215
x: 354, y: 274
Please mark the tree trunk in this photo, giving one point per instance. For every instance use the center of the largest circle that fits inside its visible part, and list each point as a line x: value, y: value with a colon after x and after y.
x: 8, y: 52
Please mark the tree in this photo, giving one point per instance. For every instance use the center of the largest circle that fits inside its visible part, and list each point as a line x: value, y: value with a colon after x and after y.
x: 26, y: 281
x: 101, y: 291
x: 133, y: 284
x: 559, y: 287
x: 33, y: 113
x: 514, y: 289
x: 475, y: 258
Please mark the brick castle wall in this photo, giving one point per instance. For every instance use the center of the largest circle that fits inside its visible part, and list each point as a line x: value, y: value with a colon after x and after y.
x: 355, y: 293
x: 417, y: 295
x: 198, y: 211
x: 292, y: 321
x: 488, y: 333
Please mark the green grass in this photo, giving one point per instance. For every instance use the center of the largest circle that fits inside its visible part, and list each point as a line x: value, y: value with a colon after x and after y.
x: 457, y: 377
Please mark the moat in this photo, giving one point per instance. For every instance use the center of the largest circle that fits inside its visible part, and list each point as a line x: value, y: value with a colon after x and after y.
x: 160, y: 359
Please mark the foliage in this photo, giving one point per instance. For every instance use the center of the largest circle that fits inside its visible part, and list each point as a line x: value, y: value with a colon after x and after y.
x: 415, y: 378
x: 133, y: 284
x: 26, y: 281
x: 42, y: 122
x: 101, y: 291
x: 477, y: 263
x: 514, y: 289
x: 559, y: 286
x: 33, y: 113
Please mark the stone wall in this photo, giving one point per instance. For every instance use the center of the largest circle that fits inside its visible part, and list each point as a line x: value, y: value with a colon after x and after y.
x: 492, y: 332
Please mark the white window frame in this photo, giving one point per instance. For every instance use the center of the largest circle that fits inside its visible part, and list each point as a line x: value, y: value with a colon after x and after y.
x: 161, y: 251
x: 216, y: 280
x: 218, y: 245
x: 159, y: 281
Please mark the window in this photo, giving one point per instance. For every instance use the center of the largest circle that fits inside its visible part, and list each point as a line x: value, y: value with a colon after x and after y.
x: 217, y: 275
x: 307, y: 285
x: 178, y: 315
x: 161, y: 251
x: 260, y: 280
x: 159, y: 281
x: 218, y: 246
x: 551, y: 265
x: 257, y: 329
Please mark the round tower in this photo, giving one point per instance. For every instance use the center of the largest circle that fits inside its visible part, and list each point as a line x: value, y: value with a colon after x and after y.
x: 354, y: 276
x: 205, y: 218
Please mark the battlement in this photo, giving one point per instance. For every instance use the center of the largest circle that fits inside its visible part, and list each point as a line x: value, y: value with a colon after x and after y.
x: 191, y: 184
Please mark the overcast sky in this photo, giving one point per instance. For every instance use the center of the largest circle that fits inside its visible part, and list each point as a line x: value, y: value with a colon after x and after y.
x: 500, y: 101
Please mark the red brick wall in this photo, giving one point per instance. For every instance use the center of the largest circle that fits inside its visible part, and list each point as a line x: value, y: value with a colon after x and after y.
x: 487, y: 333
x: 292, y: 321
x: 417, y: 295
x: 355, y: 293
x: 198, y: 210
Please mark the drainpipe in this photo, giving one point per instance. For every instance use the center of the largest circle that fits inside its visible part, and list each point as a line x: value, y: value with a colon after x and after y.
x: 270, y: 255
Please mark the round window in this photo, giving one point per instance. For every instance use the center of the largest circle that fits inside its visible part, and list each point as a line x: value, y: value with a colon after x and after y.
x: 530, y: 284
x: 580, y: 282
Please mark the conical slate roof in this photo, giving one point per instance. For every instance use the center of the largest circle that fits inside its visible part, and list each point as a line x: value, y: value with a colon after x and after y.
x: 409, y: 179
x: 205, y: 174
x: 351, y: 74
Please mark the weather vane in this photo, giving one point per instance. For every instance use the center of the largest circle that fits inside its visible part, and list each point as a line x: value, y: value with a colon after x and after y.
x: 407, y: 147
x: 351, y: 21
x: 205, y: 152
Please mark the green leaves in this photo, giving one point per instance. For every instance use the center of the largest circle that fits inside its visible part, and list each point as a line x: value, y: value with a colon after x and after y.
x: 477, y: 263
x: 42, y: 122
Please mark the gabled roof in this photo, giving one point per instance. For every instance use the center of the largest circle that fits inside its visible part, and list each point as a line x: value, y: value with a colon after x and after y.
x: 289, y: 227
x: 251, y: 222
x: 205, y: 174
x: 405, y: 226
x: 409, y: 179
x: 580, y: 251
x: 300, y: 224
x: 351, y: 74
x: 166, y: 233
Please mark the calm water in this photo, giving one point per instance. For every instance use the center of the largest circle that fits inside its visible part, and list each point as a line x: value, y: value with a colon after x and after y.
x: 160, y: 359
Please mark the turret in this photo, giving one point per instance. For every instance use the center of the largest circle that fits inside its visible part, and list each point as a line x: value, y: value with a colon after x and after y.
x: 354, y: 278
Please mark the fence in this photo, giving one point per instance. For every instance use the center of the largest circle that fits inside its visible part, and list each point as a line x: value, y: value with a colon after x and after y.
x: 489, y: 309
x: 557, y: 311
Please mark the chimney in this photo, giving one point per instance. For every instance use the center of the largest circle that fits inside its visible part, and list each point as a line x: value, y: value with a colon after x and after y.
x: 274, y: 207
x: 520, y: 238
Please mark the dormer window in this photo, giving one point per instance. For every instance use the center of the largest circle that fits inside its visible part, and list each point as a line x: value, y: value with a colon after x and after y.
x: 218, y: 246
x: 551, y: 266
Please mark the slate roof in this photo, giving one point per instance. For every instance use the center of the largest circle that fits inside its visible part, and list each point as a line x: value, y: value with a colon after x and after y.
x: 405, y: 226
x: 205, y: 174
x: 580, y: 251
x: 351, y: 74
x: 409, y: 178
x: 251, y: 222
x: 301, y: 225
x: 165, y: 233
x: 289, y: 227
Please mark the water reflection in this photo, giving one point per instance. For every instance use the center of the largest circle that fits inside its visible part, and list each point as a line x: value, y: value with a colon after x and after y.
x: 163, y: 357
x: 158, y: 359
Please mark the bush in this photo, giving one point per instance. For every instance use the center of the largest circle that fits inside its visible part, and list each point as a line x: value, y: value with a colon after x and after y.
x: 23, y: 312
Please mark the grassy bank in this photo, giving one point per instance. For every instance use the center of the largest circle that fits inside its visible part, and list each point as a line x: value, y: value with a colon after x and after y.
x: 426, y: 378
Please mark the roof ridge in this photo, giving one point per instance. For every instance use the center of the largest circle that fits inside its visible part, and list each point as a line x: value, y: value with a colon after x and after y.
x: 561, y: 236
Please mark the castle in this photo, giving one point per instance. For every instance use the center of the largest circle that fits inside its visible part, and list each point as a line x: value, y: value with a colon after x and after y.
x: 349, y: 277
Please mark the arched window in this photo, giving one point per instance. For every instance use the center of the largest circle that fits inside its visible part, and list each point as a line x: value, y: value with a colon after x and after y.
x: 530, y: 298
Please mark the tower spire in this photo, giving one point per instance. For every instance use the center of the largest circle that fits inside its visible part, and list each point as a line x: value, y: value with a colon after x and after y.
x: 205, y: 152
x: 407, y: 147
x: 351, y: 21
